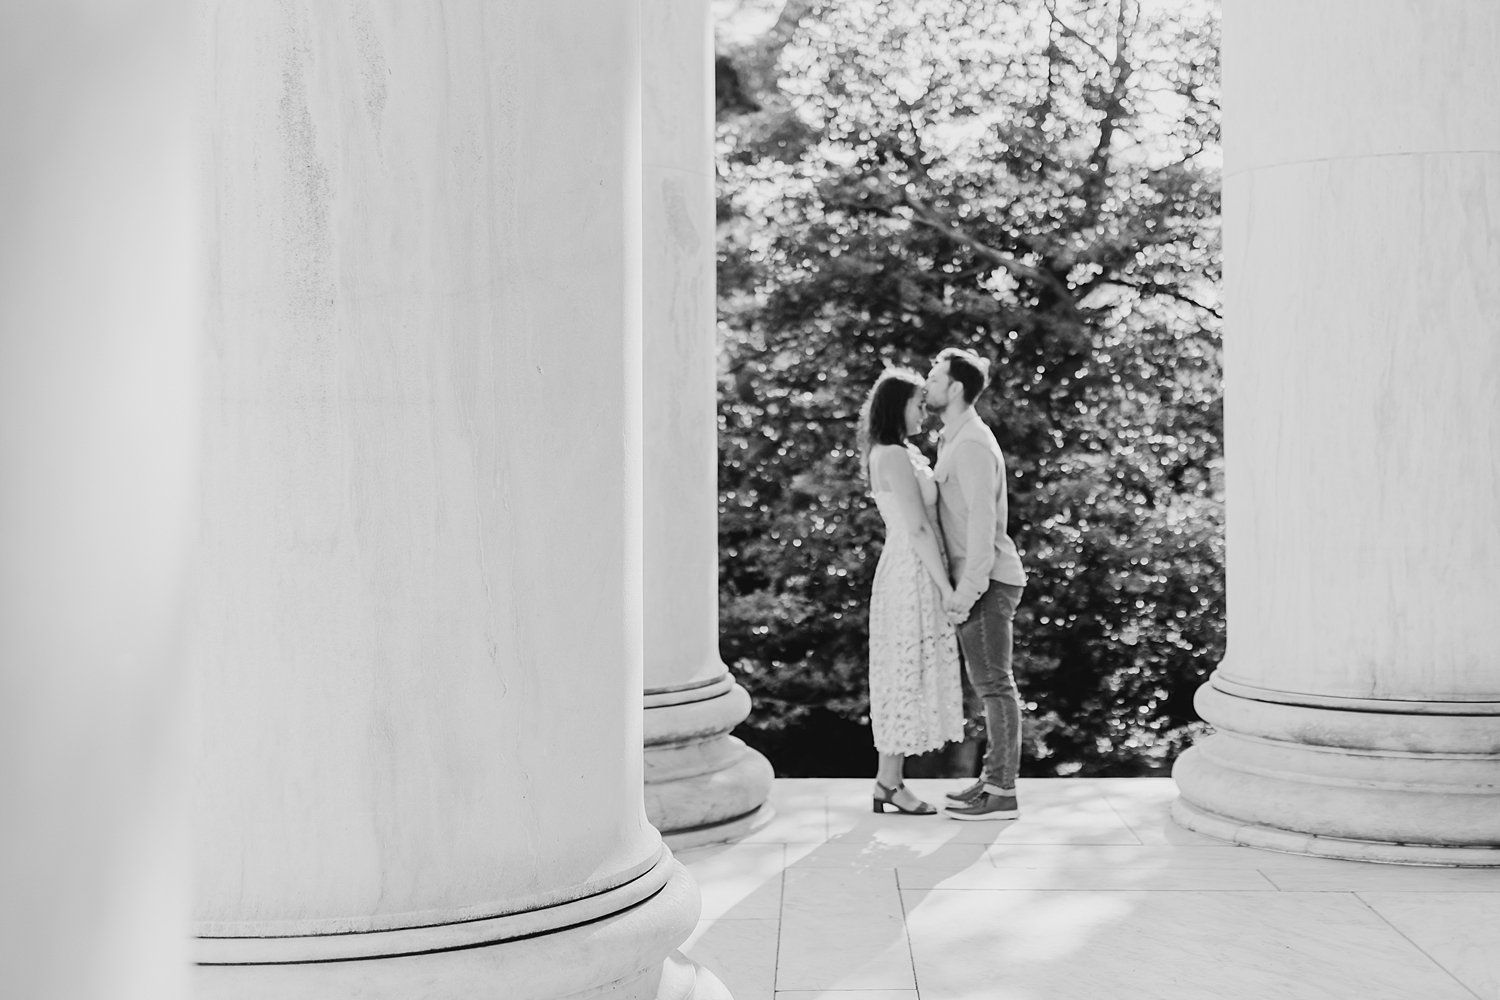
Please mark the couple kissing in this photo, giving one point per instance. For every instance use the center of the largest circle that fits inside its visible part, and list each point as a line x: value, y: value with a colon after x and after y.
x: 946, y: 587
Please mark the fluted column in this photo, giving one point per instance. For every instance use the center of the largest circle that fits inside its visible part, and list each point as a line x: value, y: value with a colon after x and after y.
x: 702, y: 785
x: 418, y: 628
x: 1358, y: 709
x: 97, y: 449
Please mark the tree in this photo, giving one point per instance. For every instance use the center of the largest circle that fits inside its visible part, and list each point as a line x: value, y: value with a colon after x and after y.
x: 1034, y: 180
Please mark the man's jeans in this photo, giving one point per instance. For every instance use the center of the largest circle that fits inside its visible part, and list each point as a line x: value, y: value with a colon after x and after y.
x: 985, y: 640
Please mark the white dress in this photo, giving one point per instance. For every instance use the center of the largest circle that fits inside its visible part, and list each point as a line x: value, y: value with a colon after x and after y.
x: 916, y: 701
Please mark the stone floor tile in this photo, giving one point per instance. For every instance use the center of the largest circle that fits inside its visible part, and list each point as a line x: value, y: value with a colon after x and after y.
x: 859, y: 826
x: 1022, y: 945
x: 1355, y: 876
x: 800, y: 815
x: 1164, y: 831
x: 742, y: 953
x: 795, y: 852
x: 1073, y: 823
x: 1082, y: 819
x: 876, y: 853
x: 1144, y: 805
x: 742, y: 881
x: 1056, y: 879
x: 1457, y: 930
x: 1150, y: 856
x: 802, y: 789
x: 842, y: 930
x: 1059, y: 791
x: 1083, y: 897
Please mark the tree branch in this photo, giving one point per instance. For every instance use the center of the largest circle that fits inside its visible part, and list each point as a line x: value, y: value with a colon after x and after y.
x: 925, y: 215
x: 786, y: 24
x: 1037, y: 277
x: 852, y: 206
x: 1072, y: 33
x: 1183, y: 160
x: 1156, y: 288
x: 1096, y: 183
x: 748, y: 69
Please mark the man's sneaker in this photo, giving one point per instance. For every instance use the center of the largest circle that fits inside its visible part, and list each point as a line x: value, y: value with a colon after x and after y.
x: 967, y: 795
x: 986, y: 805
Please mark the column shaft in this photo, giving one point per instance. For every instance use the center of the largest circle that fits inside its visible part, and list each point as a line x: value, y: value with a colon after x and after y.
x: 418, y: 625
x: 97, y: 382
x: 1358, y: 708
x: 702, y: 785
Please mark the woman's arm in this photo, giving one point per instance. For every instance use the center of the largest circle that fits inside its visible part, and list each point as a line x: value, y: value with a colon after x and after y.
x: 890, y: 469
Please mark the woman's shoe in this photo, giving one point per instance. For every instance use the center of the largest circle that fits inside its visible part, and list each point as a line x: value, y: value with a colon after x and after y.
x: 887, y: 797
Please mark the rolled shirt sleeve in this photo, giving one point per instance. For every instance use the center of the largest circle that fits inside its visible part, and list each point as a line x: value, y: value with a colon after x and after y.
x: 978, y: 476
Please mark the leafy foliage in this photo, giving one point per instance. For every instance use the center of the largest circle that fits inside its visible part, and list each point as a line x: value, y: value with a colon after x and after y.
x: 1038, y: 182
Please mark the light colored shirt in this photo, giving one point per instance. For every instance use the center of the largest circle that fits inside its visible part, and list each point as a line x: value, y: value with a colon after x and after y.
x: 973, y: 509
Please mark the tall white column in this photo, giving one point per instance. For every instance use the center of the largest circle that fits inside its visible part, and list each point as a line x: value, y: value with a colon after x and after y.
x: 1358, y: 709
x: 419, y: 625
x: 702, y: 785
x: 97, y: 399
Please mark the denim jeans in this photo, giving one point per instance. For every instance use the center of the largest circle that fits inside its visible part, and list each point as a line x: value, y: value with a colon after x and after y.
x: 985, y: 640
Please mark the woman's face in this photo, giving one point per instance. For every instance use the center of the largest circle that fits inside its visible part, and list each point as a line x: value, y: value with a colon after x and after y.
x: 914, y: 414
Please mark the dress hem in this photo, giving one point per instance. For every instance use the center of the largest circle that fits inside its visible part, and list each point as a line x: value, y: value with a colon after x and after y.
x: 921, y: 749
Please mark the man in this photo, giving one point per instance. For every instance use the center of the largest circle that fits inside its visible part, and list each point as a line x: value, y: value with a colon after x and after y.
x: 986, y: 571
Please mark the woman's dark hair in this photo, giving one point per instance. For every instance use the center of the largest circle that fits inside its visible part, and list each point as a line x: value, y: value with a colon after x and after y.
x: 882, y: 420
x: 967, y: 369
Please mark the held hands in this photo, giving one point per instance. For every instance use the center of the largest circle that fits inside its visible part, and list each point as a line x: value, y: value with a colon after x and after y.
x: 955, y: 610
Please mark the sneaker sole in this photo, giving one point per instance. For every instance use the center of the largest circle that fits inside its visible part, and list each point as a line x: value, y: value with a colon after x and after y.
x: 1006, y: 815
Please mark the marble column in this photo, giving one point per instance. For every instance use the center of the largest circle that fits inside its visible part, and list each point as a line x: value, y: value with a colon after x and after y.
x: 97, y: 390
x: 1357, y: 712
x: 418, y: 624
x: 702, y: 785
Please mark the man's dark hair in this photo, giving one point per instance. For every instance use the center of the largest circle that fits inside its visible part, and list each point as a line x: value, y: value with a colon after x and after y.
x: 967, y: 369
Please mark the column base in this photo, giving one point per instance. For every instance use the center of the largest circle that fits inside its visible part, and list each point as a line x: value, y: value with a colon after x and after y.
x: 626, y: 954
x: 1268, y: 838
x: 684, y: 979
x: 722, y: 832
x: 1395, y: 786
x: 703, y: 786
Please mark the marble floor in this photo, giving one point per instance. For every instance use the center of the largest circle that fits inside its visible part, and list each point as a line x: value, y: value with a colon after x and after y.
x: 1093, y: 894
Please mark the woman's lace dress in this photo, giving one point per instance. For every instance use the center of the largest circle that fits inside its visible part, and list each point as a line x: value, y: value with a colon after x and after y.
x: 916, y: 702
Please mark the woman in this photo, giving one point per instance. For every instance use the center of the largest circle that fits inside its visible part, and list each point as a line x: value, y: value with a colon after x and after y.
x: 916, y: 702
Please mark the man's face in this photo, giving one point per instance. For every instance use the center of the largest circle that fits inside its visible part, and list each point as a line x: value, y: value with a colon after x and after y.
x: 938, y: 389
